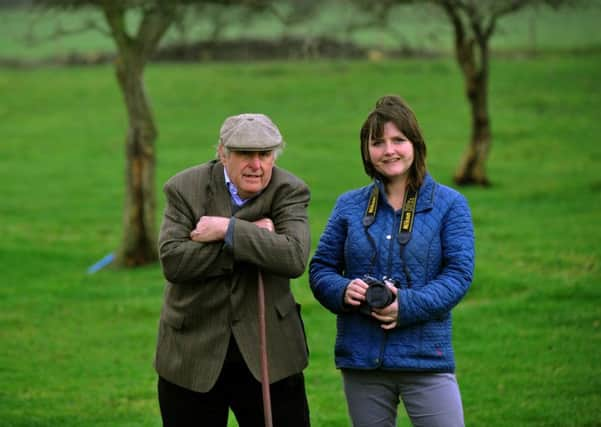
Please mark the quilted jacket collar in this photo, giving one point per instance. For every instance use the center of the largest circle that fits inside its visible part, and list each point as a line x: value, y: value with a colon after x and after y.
x: 425, y: 198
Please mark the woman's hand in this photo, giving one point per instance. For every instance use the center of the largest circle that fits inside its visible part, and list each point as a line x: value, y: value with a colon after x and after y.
x: 354, y: 294
x: 388, y: 315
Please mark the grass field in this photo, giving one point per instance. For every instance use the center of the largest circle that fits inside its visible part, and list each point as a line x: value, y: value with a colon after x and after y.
x: 76, y: 349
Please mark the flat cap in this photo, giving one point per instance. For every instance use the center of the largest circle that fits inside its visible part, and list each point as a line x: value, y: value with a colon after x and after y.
x: 250, y: 132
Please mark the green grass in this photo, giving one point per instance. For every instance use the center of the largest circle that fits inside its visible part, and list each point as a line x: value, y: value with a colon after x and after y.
x: 77, y: 349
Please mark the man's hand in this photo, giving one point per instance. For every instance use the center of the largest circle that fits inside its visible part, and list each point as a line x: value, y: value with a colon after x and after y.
x: 265, y: 223
x: 210, y: 229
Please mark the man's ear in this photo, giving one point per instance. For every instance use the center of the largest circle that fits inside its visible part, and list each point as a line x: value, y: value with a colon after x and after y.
x: 221, y: 153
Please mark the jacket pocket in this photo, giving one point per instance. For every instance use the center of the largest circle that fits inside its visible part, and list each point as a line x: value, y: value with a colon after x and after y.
x: 173, y: 318
x: 285, y: 305
x: 435, y: 340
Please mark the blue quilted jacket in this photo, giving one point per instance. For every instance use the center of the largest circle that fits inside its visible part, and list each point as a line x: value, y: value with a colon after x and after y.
x: 440, y: 261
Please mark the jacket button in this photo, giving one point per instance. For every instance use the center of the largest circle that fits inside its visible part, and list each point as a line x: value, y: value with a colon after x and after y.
x: 388, y: 237
x: 376, y: 360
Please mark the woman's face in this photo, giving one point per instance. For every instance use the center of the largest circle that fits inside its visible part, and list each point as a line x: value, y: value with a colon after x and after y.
x: 392, y: 154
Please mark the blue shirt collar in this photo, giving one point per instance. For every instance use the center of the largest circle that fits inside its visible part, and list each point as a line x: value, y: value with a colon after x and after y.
x: 236, y: 199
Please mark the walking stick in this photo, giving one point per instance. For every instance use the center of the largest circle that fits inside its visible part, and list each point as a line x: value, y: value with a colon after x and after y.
x: 263, y: 351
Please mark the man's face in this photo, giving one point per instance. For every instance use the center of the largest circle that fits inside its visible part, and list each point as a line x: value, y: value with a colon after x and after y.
x: 249, y: 171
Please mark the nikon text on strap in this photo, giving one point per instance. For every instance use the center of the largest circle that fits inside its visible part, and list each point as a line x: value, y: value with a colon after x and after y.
x: 372, y: 207
x: 408, y: 216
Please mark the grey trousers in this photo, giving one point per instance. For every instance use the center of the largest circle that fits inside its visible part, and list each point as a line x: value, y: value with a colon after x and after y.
x: 430, y: 399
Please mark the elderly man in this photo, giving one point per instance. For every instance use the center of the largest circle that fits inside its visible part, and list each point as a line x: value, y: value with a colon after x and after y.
x: 225, y: 221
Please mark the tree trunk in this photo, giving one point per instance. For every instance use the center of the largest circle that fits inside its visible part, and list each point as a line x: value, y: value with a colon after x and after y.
x: 472, y: 168
x: 139, y: 235
x: 471, y: 52
x: 139, y: 244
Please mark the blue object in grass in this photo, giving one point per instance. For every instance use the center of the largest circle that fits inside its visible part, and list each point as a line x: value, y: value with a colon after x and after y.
x: 102, y: 263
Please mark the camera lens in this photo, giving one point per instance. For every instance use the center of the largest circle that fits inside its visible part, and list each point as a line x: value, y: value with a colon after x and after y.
x: 378, y: 295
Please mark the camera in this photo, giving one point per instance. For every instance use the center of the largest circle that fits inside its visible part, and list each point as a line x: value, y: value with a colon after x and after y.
x: 378, y: 295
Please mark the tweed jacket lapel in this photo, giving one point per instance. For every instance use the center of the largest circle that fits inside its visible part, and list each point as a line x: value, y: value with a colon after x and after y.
x: 219, y: 202
x: 256, y: 208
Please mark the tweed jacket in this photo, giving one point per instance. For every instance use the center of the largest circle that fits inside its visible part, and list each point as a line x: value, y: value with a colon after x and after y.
x: 438, y: 259
x: 211, y: 289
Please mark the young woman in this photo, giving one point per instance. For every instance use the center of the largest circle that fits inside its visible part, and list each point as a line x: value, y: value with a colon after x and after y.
x: 396, y: 256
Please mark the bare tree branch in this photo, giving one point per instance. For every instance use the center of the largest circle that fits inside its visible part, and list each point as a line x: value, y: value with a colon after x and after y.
x: 115, y: 17
x: 60, y: 31
x: 155, y: 23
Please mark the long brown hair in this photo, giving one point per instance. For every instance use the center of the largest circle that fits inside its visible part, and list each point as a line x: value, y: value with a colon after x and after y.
x: 392, y: 108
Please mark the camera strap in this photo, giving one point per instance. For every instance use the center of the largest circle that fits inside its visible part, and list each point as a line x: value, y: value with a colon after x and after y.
x: 372, y: 207
x: 407, y: 217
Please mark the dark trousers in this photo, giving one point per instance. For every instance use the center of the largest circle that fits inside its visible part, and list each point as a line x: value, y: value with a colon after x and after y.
x: 236, y: 388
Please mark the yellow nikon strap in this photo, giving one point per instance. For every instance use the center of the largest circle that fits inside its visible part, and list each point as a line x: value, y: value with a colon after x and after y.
x: 372, y: 207
x: 407, y: 217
